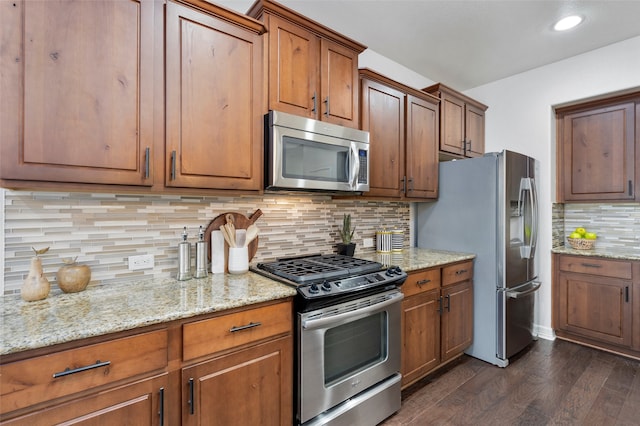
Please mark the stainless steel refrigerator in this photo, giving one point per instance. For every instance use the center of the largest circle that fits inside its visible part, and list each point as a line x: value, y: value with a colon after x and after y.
x: 488, y: 206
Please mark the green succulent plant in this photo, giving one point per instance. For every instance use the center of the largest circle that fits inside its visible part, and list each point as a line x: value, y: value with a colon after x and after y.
x: 346, y: 233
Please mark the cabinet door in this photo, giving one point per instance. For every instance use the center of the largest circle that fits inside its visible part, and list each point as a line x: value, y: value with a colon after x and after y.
x: 294, y: 68
x: 339, y: 84
x: 452, y: 124
x: 474, y: 131
x: 214, y: 118
x: 457, y: 319
x: 383, y: 118
x: 595, y: 307
x: 77, y: 91
x: 420, y: 335
x: 422, y: 148
x: 248, y: 387
x: 139, y: 403
x: 598, y: 154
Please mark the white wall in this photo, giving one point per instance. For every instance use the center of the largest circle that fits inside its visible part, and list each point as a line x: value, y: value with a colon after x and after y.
x: 521, y: 118
x: 393, y: 70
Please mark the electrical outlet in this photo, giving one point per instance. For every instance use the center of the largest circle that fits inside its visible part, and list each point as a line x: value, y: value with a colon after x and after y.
x: 367, y: 242
x: 143, y: 261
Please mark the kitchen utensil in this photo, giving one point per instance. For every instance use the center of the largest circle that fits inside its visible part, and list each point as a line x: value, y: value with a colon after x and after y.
x: 252, y: 233
x: 231, y: 229
x: 240, y: 222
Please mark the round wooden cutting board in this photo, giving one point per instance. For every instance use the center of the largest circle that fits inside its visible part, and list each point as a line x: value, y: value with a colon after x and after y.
x: 240, y: 222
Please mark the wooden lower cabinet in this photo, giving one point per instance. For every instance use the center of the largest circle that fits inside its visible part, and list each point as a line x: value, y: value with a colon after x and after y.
x: 222, y: 369
x: 593, y: 301
x: 437, y: 318
x: 140, y: 403
x: 421, y: 335
x: 248, y: 387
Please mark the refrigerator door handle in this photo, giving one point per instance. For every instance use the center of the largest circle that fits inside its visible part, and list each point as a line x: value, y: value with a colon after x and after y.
x: 518, y: 294
x: 528, y: 184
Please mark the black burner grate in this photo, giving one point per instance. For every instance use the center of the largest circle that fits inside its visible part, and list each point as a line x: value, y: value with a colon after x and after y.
x: 306, y: 269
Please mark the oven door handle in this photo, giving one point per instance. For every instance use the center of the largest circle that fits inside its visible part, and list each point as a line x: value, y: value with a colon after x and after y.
x: 323, y: 322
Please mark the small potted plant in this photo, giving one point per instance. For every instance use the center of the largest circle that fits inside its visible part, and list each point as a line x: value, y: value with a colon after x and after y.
x: 346, y: 247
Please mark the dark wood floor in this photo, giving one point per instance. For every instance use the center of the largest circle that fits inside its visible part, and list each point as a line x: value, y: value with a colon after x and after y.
x: 550, y: 383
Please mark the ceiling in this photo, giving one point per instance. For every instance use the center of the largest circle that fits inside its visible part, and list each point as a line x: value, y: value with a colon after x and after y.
x: 467, y: 43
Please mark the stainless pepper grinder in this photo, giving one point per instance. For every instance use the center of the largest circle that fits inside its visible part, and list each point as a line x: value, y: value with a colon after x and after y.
x: 184, y: 258
x: 201, y: 255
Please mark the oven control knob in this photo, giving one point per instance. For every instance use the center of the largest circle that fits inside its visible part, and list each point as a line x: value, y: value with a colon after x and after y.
x: 326, y: 286
x: 313, y: 289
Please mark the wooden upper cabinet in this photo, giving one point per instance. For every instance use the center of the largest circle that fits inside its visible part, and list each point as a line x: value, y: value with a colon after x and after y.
x: 421, y: 148
x: 597, y: 158
x: 383, y: 117
x: 313, y: 71
x: 462, y: 132
x: 403, y: 134
x: 213, y: 101
x: 77, y: 91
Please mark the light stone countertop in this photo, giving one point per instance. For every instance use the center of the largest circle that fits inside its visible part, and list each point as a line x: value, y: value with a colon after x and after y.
x: 606, y: 252
x: 110, y: 308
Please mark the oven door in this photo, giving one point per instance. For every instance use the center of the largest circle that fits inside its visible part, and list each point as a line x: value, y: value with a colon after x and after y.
x: 346, y: 349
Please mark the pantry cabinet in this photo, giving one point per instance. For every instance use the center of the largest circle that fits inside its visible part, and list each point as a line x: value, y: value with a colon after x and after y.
x: 437, y: 318
x: 461, y: 123
x: 403, y: 131
x: 594, y: 301
x: 312, y: 70
x: 597, y: 142
x: 77, y: 88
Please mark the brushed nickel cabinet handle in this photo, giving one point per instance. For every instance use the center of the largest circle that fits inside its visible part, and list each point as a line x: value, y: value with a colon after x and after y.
x: 146, y: 162
x: 422, y: 282
x: 313, y: 98
x: 68, y: 370
x: 591, y: 265
x: 191, y: 402
x: 161, y: 408
x: 448, y: 307
x: 461, y: 271
x: 326, y: 111
x: 244, y: 327
x: 173, y: 165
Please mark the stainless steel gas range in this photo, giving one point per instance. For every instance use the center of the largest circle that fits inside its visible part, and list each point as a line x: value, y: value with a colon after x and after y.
x: 347, y: 337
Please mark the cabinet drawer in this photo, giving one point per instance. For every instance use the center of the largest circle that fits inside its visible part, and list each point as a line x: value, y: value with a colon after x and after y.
x: 418, y: 282
x: 457, y: 273
x: 208, y: 336
x: 593, y: 266
x: 31, y: 381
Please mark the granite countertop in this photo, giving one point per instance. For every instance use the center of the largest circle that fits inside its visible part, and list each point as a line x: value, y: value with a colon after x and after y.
x: 606, y: 252
x: 128, y: 305
x: 110, y: 308
x: 414, y: 259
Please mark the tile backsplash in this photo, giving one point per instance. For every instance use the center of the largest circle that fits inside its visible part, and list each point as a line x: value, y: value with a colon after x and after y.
x: 103, y: 230
x: 617, y: 225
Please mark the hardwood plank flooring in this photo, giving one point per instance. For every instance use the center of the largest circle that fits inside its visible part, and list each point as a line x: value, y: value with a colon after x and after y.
x: 549, y: 383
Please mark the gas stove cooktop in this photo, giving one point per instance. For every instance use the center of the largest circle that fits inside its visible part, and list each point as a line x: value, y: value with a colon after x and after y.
x: 323, y: 276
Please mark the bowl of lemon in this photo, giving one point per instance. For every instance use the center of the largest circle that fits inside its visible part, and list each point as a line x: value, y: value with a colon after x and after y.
x: 581, y: 239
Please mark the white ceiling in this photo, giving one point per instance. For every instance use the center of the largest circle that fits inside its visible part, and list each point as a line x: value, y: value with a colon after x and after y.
x: 467, y: 43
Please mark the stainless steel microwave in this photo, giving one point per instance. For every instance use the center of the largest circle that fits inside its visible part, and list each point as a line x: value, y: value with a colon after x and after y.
x: 310, y: 155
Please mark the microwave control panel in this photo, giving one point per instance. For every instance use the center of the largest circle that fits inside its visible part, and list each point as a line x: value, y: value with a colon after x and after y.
x: 362, y: 175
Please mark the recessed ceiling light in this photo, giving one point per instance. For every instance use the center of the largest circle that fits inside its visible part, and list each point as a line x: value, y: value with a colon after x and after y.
x: 567, y: 23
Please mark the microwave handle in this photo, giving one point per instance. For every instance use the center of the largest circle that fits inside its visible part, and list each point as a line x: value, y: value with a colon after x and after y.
x: 354, y: 170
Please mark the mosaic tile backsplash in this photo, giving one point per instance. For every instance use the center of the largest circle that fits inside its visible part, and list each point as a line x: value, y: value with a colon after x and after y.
x: 103, y: 230
x: 617, y: 225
